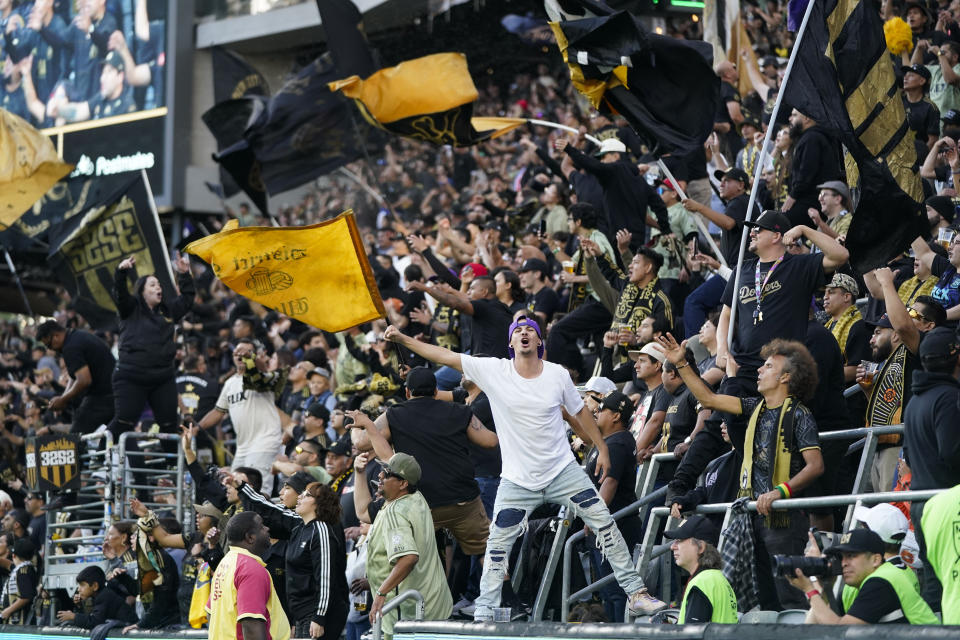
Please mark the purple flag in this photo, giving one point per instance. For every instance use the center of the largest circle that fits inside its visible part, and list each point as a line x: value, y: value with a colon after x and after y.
x: 795, y: 11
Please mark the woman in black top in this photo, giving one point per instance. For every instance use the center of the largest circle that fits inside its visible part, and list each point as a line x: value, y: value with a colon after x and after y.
x: 316, y: 558
x: 146, y: 372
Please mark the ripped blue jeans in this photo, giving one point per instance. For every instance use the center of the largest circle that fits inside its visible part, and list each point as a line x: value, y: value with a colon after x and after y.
x: 572, y: 489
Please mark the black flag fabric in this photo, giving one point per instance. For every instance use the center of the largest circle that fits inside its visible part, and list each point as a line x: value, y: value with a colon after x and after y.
x: 228, y: 121
x: 306, y: 132
x: 844, y: 79
x: 346, y: 40
x: 665, y: 88
x: 234, y: 78
x: 85, y: 251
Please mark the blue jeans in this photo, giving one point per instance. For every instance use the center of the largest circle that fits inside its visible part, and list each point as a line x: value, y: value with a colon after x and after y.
x: 700, y: 302
x: 488, y: 493
x: 613, y: 597
x: 357, y: 629
x: 448, y: 379
x: 572, y: 489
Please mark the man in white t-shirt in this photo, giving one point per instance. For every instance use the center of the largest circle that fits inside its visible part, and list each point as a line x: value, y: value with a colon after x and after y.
x: 527, y: 398
x: 254, y: 415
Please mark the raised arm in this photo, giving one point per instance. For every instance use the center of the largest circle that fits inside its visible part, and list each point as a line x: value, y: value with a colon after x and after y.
x: 676, y: 353
x: 433, y: 353
x: 896, y: 310
x: 279, y: 520
x: 834, y: 254
x: 126, y: 303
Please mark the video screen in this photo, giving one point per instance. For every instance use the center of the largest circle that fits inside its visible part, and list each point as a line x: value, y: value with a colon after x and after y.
x: 77, y: 61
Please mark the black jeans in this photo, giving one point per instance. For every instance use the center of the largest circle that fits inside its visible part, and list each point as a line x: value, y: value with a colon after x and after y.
x: 334, y: 622
x: 92, y: 412
x: 589, y: 318
x: 132, y: 391
x: 776, y: 594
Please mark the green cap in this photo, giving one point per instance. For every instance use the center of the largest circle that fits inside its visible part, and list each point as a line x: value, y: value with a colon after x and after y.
x: 405, y: 466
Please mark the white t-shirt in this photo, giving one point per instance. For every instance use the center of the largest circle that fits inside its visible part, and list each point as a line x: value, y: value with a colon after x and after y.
x: 533, y: 435
x: 253, y: 414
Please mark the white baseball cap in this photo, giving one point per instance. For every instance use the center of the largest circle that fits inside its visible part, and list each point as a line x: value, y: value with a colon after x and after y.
x: 597, y: 384
x: 885, y: 520
x: 651, y: 349
x: 611, y: 145
x: 910, y: 551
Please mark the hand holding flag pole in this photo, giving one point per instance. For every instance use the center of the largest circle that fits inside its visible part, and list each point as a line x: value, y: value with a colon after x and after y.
x: 696, y: 218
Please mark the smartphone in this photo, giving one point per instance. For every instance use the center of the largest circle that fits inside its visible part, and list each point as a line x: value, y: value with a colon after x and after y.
x: 543, y: 227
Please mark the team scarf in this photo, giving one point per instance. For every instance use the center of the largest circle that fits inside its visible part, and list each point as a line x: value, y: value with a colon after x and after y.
x: 343, y: 477
x: 840, y: 328
x: 885, y: 406
x: 781, y: 460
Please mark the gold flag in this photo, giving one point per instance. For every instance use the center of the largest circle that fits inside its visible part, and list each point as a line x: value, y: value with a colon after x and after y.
x: 498, y: 125
x: 29, y: 166
x: 317, y: 274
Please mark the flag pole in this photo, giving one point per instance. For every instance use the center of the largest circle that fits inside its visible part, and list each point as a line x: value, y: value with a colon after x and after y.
x: 557, y: 125
x: 16, y: 278
x: 696, y: 218
x: 759, y: 166
x: 156, y: 221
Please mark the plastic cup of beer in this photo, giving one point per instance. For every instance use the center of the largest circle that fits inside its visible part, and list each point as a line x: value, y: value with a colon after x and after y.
x: 945, y: 237
x: 620, y: 327
x: 567, y: 266
x: 869, y: 370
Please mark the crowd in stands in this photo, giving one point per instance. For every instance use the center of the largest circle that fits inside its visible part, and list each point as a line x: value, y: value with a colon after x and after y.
x: 533, y: 273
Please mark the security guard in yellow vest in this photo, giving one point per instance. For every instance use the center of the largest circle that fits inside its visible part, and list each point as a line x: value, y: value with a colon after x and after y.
x: 708, y: 596
x: 885, y: 592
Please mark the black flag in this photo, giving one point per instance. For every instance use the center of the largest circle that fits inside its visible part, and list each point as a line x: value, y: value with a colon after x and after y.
x: 342, y: 23
x: 85, y: 251
x: 228, y: 121
x: 234, y: 78
x: 844, y: 79
x: 306, y: 132
x: 665, y: 88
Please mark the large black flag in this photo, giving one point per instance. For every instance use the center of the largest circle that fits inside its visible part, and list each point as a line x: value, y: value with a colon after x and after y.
x: 665, y: 88
x: 844, y: 79
x: 346, y: 40
x: 234, y: 78
x: 86, y: 249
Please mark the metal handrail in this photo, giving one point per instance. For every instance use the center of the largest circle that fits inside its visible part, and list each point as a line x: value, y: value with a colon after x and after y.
x: 182, y: 510
x: 632, y: 509
x: 393, y: 604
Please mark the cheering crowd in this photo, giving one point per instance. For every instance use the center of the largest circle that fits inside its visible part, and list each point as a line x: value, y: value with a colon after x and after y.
x: 557, y: 313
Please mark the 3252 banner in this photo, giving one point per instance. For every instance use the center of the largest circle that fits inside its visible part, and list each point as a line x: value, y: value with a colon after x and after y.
x: 53, y: 462
x: 85, y: 252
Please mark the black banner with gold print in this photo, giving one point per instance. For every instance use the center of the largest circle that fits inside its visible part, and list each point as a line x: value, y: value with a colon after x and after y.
x: 86, y: 250
x: 53, y: 462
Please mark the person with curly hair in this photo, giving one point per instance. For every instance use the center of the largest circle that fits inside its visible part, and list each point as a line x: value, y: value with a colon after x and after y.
x: 316, y: 557
x: 781, y: 452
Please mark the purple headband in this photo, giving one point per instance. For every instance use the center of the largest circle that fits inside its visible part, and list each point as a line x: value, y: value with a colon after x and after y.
x: 521, y: 322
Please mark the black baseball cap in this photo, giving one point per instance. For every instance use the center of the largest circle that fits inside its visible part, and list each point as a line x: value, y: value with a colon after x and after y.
x: 115, y: 60
x: 952, y: 116
x: 421, y: 381
x: 342, y: 447
x: 535, y: 264
x: 883, y: 322
x: 618, y: 403
x: 733, y: 174
x: 771, y: 221
x: 695, y: 526
x: 299, y: 481
x: 918, y: 69
x: 939, y: 345
x: 943, y: 205
x: 857, y: 541
x: 319, y: 410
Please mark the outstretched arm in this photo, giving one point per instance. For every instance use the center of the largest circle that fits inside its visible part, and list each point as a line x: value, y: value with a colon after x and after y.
x: 676, y: 353
x: 430, y: 352
x: 834, y: 254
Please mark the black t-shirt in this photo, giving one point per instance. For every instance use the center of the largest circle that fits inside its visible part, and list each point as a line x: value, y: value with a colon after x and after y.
x: 876, y: 600
x: 486, y: 462
x: 623, y: 466
x: 650, y: 403
x: 924, y: 118
x: 82, y: 349
x: 696, y: 165
x: 858, y: 344
x: 681, y: 417
x: 730, y: 240
x: 435, y: 433
x: 828, y: 404
x: 197, y: 393
x: 785, y: 305
x: 805, y: 436
x: 699, y: 607
x: 545, y: 301
x: 491, y: 322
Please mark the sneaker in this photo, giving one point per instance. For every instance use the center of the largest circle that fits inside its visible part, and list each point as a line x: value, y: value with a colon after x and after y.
x: 461, y: 603
x: 468, y: 609
x: 641, y: 603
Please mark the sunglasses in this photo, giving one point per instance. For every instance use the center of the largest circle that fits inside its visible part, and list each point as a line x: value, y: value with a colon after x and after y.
x: 391, y: 474
x: 916, y: 315
x: 299, y: 449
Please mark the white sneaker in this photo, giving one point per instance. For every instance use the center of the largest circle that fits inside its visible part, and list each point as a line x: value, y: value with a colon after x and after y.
x: 642, y: 603
x: 468, y: 609
x: 461, y: 603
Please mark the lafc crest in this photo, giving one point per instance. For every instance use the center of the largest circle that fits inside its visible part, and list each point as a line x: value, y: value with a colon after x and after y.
x: 53, y: 462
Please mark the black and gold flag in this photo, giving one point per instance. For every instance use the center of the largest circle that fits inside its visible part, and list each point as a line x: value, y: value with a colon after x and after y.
x: 86, y: 249
x: 228, y: 121
x: 844, y: 78
x: 664, y: 87
x: 429, y: 98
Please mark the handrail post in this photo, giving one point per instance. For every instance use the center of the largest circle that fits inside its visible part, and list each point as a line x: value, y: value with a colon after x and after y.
x: 395, y: 603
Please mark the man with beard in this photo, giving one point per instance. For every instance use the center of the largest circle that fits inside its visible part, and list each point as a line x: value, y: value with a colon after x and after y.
x: 895, y: 344
x: 816, y: 160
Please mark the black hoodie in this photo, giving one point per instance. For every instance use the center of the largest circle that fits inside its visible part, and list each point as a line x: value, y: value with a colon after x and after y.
x: 930, y: 443
x: 107, y: 605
